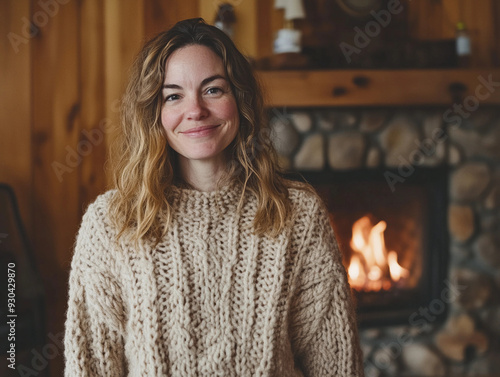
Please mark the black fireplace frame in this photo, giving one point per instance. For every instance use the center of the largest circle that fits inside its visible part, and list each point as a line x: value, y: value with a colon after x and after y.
x: 401, y: 309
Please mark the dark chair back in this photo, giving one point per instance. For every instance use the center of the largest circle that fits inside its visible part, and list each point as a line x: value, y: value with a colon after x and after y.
x: 21, y: 287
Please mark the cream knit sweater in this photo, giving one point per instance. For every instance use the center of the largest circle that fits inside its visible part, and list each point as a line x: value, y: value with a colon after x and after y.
x: 212, y: 299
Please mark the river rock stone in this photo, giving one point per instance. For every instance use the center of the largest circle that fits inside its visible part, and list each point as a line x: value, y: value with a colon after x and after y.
x: 371, y: 334
x: 284, y: 136
x: 366, y: 349
x: 431, y: 122
x: 492, y: 200
x: 385, y: 360
x: 461, y: 222
x: 481, y: 118
x: 399, y: 140
x: 347, y: 119
x: 311, y: 154
x: 490, y: 221
x: 373, y: 120
x: 485, y: 365
x: 302, y: 121
x: 373, y: 157
x: 454, y: 155
x: 371, y: 370
x: 460, y: 253
x: 326, y: 120
x: 474, y: 289
x: 469, y: 181
x: 487, y: 246
x: 284, y: 162
x: 346, y: 150
x: 460, y: 335
x: 475, y: 144
x: 435, y: 155
x: 491, y: 319
x: 421, y: 361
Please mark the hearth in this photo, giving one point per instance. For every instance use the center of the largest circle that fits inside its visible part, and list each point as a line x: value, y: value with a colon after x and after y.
x: 401, y: 337
x: 394, y: 242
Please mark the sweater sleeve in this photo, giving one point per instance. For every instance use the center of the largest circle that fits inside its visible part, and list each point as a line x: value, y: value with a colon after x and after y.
x: 94, y: 323
x: 323, y: 328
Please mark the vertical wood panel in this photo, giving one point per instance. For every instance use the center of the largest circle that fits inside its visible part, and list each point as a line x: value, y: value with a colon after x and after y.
x: 434, y: 20
x: 15, y: 106
x: 93, y: 101
x: 480, y: 18
x: 56, y: 129
x: 269, y: 20
x: 246, y: 31
x: 15, y: 120
x: 160, y: 15
x: 208, y: 10
x: 124, y: 35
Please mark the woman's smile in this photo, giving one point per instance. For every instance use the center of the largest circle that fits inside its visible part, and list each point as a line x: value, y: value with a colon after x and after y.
x: 201, y: 131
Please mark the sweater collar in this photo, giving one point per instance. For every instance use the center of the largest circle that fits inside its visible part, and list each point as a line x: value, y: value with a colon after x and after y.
x: 190, y: 200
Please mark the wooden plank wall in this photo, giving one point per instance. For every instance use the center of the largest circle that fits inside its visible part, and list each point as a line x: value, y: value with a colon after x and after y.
x: 16, y: 162
x: 431, y: 20
x: 60, y: 89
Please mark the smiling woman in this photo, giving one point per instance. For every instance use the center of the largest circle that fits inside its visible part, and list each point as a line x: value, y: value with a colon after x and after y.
x: 204, y: 260
x: 200, y: 114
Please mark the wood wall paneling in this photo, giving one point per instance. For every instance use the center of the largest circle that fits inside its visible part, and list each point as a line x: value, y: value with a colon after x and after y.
x: 124, y: 35
x: 15, y: 127
x: 434, y: 20
x: 56, y: 132
x: 92, y: 138
x: 269, y: 20
x: 159, y: 15
x: 15, y: 105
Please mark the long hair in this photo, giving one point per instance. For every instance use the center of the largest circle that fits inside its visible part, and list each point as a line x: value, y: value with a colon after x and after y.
x: 144, y: 169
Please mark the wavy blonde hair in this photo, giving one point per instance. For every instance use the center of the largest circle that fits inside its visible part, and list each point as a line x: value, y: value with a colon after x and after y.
x: 144, y: 168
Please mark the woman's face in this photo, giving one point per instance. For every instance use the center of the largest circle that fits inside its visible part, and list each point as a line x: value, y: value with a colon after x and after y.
x: 199, y: 112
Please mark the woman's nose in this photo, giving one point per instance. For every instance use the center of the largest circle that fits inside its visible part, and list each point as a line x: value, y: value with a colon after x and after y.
x: 196, y: 108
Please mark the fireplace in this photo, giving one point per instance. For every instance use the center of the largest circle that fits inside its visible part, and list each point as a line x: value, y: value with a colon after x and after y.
x: 347, y: 153
x: 394, y: 243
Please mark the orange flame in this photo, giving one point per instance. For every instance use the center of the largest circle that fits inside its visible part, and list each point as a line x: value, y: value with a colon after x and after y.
x: 372, y: 267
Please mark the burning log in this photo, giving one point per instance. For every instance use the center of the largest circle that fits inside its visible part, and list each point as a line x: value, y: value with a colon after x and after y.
x: 372, y: 267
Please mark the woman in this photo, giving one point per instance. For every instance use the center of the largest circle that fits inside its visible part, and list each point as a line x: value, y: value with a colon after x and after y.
x: 204, y: 261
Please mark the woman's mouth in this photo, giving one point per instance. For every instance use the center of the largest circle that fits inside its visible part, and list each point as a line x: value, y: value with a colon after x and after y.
x: 201, y: 131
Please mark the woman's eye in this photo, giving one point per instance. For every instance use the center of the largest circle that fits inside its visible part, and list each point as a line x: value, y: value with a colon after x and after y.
x: 214, y: 91
x: 172, y: 97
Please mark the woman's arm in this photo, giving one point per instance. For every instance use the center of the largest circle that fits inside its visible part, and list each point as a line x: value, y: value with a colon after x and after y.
x: 324, y: 326
x: 94, y: 324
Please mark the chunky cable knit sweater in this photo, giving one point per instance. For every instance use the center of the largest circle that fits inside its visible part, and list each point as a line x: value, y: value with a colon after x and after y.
x: 212, y: 299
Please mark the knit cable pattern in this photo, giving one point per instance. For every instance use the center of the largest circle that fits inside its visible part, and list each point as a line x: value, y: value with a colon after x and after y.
x: 212, y: 298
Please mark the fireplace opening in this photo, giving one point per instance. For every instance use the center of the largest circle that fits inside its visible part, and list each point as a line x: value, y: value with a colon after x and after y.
x: 373, y: 265
x: 394, y: 242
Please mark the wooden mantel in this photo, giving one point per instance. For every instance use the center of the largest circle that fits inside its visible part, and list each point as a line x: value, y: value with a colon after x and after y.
x: 381, y: 87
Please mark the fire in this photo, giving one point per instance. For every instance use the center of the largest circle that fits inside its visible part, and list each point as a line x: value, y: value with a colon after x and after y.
x: 372, y: 267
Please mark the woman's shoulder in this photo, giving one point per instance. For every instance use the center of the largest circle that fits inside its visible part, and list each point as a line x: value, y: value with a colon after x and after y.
x: 95, y: 237
x: 103, y: 200
x: 96, y: 217
x: 303, y: 196
x: 99, y: 208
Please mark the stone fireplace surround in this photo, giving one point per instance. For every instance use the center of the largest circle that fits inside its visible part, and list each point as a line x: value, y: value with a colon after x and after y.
x: 403, y: 139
